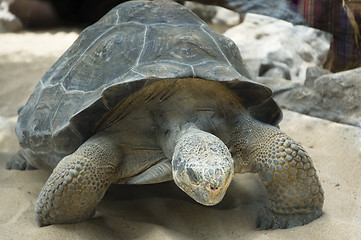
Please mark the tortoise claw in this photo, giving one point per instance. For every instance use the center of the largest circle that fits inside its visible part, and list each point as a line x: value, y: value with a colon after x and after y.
x: 18, y: 162
x: 267, y: 219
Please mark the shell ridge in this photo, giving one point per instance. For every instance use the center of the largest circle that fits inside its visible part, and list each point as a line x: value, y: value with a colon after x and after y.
x: 173, y: 25
x: 193, y: 72
x: 134, y: 71
x: 200, y: 63
x: 216, y: 43
x: 41, y: 83
x: 143, y: 46
x: 68, y: 91
x: 118, y: 16
x: 172, y: 61
x: 85, y: 50
x: 38, y: 96
x: 54, y: 111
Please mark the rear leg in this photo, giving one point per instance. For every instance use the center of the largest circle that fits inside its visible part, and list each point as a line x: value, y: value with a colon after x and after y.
x: 18, y: 162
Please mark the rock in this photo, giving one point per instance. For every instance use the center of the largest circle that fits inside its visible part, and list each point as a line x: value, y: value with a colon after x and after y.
x: 336, y: 97
x: 278, y: 84
x: 312, y: 73
x: 274, y: 69
x: 205, y: 12
x: 219, y: 18
x: 264, y: 39
x: 8, y: 21
x: 226, y: 17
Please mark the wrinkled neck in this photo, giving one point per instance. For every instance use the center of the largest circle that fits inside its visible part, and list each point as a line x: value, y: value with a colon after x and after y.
x: 168, y: 138
x: 248, y: 139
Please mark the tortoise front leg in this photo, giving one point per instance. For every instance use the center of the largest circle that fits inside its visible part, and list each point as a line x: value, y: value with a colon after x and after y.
x: 295, y: 195
x: 78, y: 183
x: 294, y: 190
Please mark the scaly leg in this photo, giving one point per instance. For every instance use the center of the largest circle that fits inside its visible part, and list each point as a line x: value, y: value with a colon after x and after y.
x: 295, y: 195
x: 294, y: 190
x: 18, y: 162
x: 78, y: 183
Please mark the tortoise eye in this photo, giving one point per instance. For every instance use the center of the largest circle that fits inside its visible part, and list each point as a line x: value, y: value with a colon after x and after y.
x: 193, y: 176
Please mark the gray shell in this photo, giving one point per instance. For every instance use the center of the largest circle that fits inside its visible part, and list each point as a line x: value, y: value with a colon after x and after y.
x: 134, y: 45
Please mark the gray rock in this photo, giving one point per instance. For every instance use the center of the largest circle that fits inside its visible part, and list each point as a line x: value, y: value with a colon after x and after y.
x: 264, y: 39
x: 219, y: 18
x: 8, y: 21
x: 312, y: 73
x: 278, y: 84
x: 205, y: 12
x: 336, y: 97
x: 226, y: 17
x: 274, y: 69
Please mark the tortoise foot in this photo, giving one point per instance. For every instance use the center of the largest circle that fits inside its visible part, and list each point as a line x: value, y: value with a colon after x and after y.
x: 267, y: 219
x: 18, y: 162
x: 77, y: 184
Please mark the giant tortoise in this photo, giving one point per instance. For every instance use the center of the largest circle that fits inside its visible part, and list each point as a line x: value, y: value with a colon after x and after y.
x: 149, y: 94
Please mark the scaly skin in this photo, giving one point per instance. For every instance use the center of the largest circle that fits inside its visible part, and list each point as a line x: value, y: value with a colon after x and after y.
x: 294, y: 190
x: 18, y: 162
x: 202, y: 166
x: 78, y: 183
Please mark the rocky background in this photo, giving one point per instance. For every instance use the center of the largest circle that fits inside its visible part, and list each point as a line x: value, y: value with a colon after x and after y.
x: 8, y: 21
x: 289, y: 58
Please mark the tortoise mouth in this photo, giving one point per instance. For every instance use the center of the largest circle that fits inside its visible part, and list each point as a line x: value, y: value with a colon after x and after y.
x: 210, y: 197
x: 208, y: 193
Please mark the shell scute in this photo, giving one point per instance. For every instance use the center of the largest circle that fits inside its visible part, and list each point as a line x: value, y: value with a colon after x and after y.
x: 112, y: 55
x: 134, y: 45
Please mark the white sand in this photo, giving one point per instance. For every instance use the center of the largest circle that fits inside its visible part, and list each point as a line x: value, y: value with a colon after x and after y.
x: 162, y: 211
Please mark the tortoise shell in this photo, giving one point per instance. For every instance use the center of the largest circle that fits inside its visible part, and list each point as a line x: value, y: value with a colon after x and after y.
x: 136, y: 44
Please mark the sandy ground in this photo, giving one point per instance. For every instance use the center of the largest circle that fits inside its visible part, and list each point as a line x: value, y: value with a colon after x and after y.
x: 162, y: 211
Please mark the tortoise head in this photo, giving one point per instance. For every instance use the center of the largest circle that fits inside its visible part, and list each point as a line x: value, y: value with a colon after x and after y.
x: 202, y: 166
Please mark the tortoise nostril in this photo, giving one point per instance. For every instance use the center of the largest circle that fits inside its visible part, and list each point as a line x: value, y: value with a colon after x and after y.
x: 212, y: 187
